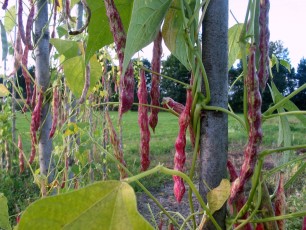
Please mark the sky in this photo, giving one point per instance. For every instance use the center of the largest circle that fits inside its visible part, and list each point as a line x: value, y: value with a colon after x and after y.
x: 287, y: 23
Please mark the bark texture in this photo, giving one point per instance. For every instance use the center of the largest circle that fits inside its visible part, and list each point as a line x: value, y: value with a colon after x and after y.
x: 43, y: 80
x: 214, y: 134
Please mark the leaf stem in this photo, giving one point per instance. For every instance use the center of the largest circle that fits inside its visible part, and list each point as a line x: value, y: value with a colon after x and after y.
x: 167, y: 77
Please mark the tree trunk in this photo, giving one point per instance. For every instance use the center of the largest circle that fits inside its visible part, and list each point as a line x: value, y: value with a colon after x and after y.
x: 214, y: 125
x: 43, y: 81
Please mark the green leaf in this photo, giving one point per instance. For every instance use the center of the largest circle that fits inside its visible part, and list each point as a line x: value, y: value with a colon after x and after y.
x: 61, y: 31
x: 3, y: 91
x: 233, y: 43
x: 4, y: 216
x: 67, y: 48
x: 275, y: 62
x: 285, y: 64
x: 289, y: 105
x: 95, y: 72
x: 284, y: 131
x: 10, y: 19
x: 173, y: 34
x: 103, y: 205
x: 146, y: 20
x: 74, y: 70
x: 99, y: 34
x: 3, y: 41
x: 217, y: 197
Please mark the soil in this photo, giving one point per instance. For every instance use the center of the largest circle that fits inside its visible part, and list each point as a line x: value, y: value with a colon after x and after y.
x: 165, y: 196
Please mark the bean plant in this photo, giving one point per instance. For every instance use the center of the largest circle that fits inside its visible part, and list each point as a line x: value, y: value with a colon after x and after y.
x: 80, y: 65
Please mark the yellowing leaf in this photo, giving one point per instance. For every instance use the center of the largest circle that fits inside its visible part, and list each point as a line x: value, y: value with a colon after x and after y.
x: 103, y: 205
x: 71, y: 129
x: 3, y: 91
x: 218, y: 196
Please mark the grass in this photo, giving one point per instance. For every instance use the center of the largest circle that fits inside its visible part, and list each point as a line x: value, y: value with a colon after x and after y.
x: 162, y: 141
x: 162, y: 145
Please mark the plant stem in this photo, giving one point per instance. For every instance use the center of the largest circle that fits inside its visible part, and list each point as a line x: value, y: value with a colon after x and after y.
x: 216, y: 108
x: 167, y: 77
x: 274, y: 218
x: 283, y: 114
x: 281, y: 149
x: 192, y: 169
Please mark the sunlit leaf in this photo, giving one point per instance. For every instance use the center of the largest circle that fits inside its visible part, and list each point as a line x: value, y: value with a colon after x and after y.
x: 67, y: 48
x: 74, y: 69
x: 146, y: 20
x: 233, y: 43
x: 3, y: 91
x: 275, y: 62
x: 4, y: 216
x: 217, y: 197
x: 103, y: 205
x: 173, y: 34
x: 285, y: 64
x: 10, y: 19
x: 99, y: 34
x: 72, y: 129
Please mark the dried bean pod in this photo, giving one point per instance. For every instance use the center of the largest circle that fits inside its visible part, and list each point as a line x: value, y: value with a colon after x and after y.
x: 35, y: 123
x: 169, y: 103
x: 241, y: 199
x: 29, y: 27
x: 280, y: 202
x: 4, y: 5
x: 33, y: 142
x: 260, y: 226
x: 127, y: 83
x: 20, y: 22
x: 143, y: 122
x: 27, y: 77
x: 21, y: 155
x: 18, y: 54
x: 118, y: 152
x: 255, y: 132
x: 180, y: 144
x: 55, y: 108
x: 177, y: 107
x: 33, y: 100
x: 155, y: 93
x: 264, y: 38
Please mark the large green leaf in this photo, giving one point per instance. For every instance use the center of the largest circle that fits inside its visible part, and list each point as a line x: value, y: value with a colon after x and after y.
x: 173, y: 34
x: 10, y: 19
x: 103, y: 205
x: 233, y: 43
x: 284, y: 131
x: 95, y: 72
x: 289, y: 105
x: 74, y: 69
x: 67, y: 48
x: 146, y: 20
x: 99, y: 34
x: 4, y: 216
x: 3, y: 41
